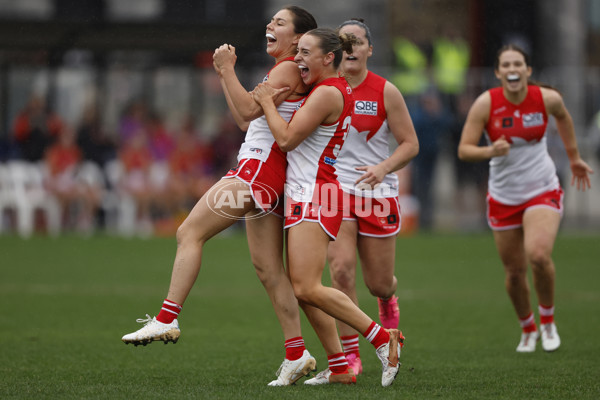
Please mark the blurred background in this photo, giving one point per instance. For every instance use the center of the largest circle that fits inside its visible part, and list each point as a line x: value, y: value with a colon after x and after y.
x: 112, y: 119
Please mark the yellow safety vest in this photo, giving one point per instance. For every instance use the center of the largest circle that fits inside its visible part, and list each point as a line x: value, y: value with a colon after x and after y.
x: 450, y: 65
x: 411, y: 76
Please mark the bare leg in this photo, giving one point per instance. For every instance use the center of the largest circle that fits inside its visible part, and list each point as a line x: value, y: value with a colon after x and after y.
x: 512, y: 253
x: 265, y: 240
x: 540, y: 229
x: 203, y: 223
x: 378, y: 258
x: 307, y: 251
x: 341, y: 255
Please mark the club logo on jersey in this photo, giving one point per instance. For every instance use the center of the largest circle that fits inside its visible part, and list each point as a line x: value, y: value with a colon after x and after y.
x: 329, y: 160
x: 365, y: 107
x: 507, y: 122
x: 533, y: 119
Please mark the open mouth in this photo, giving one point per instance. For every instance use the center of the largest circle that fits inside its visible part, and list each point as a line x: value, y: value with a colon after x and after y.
x: 512, y: 78
x: 270, y: 38
x: 351, y: 58
x: 303, y: 71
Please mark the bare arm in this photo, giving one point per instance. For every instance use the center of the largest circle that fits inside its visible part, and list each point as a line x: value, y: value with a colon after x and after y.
x: 403, y: 130
x: 321, y: 107
x: 241, y: 123
x: 468, y: 147
x: 555, y: 106
x: 284, y: 74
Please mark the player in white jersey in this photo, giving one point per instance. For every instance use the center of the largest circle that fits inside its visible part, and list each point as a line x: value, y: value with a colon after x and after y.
x: 258, y: 183
x: 365, y: 170
x: 313, y: 139
x: 524, y: 194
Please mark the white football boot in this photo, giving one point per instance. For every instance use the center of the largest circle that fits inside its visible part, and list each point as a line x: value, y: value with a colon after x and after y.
x: 528, y: 342
x: 389, y: 355
x: 290, y: 371
x: 325, y: 377
x: 153, y: 330
x: 550, y: 338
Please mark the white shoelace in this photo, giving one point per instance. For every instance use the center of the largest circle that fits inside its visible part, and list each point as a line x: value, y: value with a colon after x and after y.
x: 145, y: 321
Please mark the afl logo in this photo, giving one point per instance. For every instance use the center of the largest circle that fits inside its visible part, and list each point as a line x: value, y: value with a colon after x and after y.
x: 227, y: 200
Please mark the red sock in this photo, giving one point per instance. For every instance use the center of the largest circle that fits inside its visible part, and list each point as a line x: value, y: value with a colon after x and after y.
x: 338, y: 363
x: 350, y: 344
x: 376, y: 335
x: 169, y: 311
x: 546, y: 314
x: 528, y: 323
x: 294, y: 348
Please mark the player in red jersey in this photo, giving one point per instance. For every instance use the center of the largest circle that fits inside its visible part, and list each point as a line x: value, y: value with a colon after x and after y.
x: 313, y: 139
x: 524, y: 194
x: 365, y: 170
x: 258, y: 179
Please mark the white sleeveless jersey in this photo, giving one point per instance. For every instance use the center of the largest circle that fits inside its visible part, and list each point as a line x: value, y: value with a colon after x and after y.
x: 368, y: 140
x: 311, y: 165
x: 527, y: 170
x: 259, y: 140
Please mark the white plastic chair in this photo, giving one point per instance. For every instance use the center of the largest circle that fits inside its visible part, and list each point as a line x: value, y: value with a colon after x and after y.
x: 120, y: 208
x: 27, y: 195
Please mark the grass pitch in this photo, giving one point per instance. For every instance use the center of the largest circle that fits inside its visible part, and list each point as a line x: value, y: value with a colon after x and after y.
x: 65, y: 303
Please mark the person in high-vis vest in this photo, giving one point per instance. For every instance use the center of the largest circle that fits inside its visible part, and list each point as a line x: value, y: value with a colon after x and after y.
x: 450, y: 63
x: 411, y: 75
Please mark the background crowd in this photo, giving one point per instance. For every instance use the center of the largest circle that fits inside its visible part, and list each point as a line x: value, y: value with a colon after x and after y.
x: 127, y: 141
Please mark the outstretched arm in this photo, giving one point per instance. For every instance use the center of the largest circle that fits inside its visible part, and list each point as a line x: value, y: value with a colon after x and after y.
x: 555, y: 106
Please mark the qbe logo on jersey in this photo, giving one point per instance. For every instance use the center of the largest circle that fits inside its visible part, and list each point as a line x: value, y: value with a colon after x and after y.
x: 533, y: 119
x: 365, y: 107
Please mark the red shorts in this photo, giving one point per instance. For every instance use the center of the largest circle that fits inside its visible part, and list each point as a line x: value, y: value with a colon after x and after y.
x: 378, y: 217
x: 266, y: 181
x: 501, y: 216
x: 330, y: 219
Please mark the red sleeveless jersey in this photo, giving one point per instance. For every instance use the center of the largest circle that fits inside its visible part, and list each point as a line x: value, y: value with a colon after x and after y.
x: 526, y: 120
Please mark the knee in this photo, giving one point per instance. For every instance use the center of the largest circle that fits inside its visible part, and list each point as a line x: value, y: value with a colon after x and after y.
x: 268, y: 274
x: 305, y: 293
x: 515, y: 276
x: 187, y: 234
x: 383, y: 288
x: 538, y: 257
x: 343, y: 274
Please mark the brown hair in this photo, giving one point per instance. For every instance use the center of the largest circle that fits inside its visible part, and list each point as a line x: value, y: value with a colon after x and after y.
x: 330, y: 41
x: 303, y: 20
x: 360, y: 23
x: 514, y: 47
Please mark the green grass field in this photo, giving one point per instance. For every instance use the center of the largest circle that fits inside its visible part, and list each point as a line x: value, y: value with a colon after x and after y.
x: 65, y: 303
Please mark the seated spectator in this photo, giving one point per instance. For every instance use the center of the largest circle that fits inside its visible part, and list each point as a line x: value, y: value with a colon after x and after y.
x: 34, y: 128
x: 137, y: 161
x: 190, y: 170
x: 79, y: 199
x: 94, y: 143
